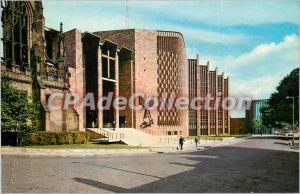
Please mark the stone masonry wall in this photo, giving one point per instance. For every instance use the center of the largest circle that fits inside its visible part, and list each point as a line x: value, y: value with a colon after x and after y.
x: 74, y: 62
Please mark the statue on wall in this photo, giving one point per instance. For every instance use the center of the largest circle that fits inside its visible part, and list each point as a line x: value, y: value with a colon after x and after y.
x: 147, y: 119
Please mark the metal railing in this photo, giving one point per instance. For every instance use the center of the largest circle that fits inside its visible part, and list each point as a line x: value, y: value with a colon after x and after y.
x: 169, y: 139
x: 108, y: 135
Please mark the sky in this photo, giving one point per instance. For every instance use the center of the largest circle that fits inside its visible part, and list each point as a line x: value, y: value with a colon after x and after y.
x: 255, y: 43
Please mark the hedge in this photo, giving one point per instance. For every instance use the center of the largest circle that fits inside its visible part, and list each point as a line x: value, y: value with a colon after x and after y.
x: 53, y: 138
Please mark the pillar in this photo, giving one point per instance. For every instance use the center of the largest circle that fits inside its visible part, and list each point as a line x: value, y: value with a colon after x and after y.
x: 117, y: 86
x: 198, y: 94
x: 100, y: 86
x: 228, y: 114
x: 216, y: 112
x: 208, y: 91
x: 223, y: 111
x: 132, y: 91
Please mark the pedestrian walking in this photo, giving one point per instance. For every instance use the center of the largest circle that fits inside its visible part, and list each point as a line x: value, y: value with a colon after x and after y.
x: 181, y: 141
x: 196, y: 141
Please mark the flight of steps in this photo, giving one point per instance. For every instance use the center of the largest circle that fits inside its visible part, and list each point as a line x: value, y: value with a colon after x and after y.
x: 132, y: 136
x: 136, y: 137
x: 104, y: 135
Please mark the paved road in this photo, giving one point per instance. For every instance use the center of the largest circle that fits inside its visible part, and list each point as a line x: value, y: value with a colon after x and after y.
x: 254, y: 165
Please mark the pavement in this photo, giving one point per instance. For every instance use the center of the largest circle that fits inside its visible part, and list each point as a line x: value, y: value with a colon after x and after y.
x: 188, y: 146
x: 258, y: 164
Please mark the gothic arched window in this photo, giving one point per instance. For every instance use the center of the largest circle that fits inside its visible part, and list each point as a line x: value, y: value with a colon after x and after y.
x: 15, y: 19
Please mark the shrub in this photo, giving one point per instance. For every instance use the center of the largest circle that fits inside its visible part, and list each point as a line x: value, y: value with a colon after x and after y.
x: 26, y: 139
x: 40, y: 139
x: 34, y: 137
x: 69, y: 138
x: 80, y: 137
x: 53, y: 141
x: 45, y: 138
x: 86, y: 137
x: 61, y: 138
x: 53, y: 138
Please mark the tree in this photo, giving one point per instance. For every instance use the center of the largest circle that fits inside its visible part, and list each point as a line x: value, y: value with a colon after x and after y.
x: 17, y: 109
x: 280, y: 109
x: 265, y: 112
x: 257, y: 122
x: 282, y: 124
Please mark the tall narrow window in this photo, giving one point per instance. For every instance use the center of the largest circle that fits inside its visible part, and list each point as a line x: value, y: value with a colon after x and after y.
x: 15, y: 27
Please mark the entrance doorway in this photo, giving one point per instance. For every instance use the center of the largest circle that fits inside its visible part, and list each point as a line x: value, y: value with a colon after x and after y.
x: 109, y: 120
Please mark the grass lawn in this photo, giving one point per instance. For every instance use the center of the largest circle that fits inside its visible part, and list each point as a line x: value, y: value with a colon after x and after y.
x: 89, y: 145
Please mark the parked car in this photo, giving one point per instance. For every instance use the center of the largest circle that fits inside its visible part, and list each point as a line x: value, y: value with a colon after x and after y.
x: 287, y: 132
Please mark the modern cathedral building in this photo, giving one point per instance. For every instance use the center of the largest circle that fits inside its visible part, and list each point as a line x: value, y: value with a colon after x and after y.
x: 149, y: 62
x: 44, y: 61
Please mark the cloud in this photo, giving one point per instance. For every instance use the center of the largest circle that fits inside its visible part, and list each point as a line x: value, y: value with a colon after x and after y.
x: 258, y: 88
x: 264, y: 51
x: 177, y: 15
x: 85, y: 15
x: 213, y: 37
x: 258, y: 72
x: 194, y: 34
x: 94, y: 16
x: 263, y: 64
x: 223, y: 12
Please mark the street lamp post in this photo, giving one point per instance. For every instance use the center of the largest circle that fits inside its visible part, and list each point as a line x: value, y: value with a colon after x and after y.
x: 290, y: 97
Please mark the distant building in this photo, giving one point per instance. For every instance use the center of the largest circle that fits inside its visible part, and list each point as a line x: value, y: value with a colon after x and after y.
x: 254, y: 113
x: 202, y: 82
x: 237, y: 126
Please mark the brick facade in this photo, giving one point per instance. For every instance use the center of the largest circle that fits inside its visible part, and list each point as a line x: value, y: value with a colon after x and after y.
x: 203, y: 82
x: 151, y: 67
x: 237, y: 126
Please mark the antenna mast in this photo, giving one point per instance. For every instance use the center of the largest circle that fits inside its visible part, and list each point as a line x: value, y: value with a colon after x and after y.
x: 127, y: 14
